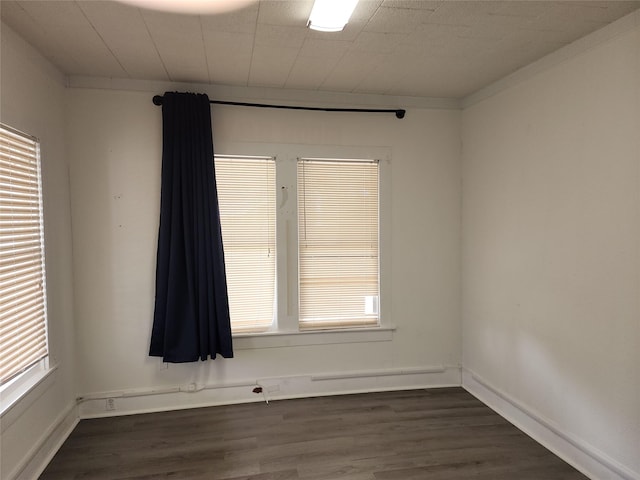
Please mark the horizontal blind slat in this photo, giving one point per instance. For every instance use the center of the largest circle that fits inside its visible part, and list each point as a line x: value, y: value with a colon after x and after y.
x: 20, y: 159
x: 24, y: 263
x: 11, y: 306
x: 17, y: 279
x: 19, y: 248
x: 30, y: 326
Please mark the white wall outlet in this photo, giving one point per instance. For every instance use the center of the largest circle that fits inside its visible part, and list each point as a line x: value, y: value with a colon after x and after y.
x: 110, y: 404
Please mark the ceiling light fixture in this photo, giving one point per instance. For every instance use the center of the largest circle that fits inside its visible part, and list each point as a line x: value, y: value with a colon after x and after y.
x: 331, y: 15
x: 191, y: 7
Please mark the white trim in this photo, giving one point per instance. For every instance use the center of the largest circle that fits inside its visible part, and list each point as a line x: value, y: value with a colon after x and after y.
x: 43, y: 451
x: 567, y: 52
x: 194, y: 395
x: 33, y: 383
x: 284, y: 332
x: 573, y: 450
x: 319, y: 337
x: 267, y: 94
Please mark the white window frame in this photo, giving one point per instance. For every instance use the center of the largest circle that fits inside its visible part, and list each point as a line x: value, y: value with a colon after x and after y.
x: 285, y: 330
x: 31, y: 377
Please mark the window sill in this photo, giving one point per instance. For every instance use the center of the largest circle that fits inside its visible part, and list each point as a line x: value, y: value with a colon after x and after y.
x: 247, y: 341
x: 12, y: 394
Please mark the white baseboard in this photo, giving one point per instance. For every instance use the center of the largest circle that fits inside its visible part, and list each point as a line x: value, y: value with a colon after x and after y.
x: 584, y: 457
x: 40, y: 454
x: 277, y: 388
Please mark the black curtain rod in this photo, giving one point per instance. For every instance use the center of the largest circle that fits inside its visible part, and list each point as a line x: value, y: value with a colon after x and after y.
x: 157, y: 100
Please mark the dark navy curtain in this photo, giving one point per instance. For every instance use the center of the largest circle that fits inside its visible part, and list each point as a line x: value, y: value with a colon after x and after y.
x: 191, y: 318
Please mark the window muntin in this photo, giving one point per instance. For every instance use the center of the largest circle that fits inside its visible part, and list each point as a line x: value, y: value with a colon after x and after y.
x: 247, y: 198
x: 23, y: 313
x: 338, y: 239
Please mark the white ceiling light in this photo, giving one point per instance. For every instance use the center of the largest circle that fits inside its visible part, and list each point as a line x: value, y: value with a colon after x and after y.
x: 331, y: 15
x: 191, y: 7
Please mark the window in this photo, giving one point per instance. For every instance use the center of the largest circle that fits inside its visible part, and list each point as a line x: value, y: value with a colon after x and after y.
x: 247, y: 203
x: 337, y: 243
x: 306, y: 241
x: 23, y: 314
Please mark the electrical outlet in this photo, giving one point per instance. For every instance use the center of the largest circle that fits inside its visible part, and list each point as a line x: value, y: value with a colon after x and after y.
x: 110, y: 404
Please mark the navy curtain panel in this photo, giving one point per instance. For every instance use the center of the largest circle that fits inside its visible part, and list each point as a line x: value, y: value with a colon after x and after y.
x: 191, y: 318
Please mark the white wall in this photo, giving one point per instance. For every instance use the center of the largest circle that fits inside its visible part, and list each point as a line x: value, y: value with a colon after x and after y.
x: 551, y: 239
x: 33, y: 100
x: 115, y: 177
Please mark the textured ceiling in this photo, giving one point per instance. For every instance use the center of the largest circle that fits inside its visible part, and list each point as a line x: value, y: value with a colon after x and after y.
x: 420, y: 48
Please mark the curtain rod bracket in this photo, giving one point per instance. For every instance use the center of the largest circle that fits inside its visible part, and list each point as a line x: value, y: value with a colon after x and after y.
x: 400, y: 113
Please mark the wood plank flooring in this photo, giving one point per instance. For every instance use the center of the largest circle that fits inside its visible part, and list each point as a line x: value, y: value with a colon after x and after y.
x: 435, y: 434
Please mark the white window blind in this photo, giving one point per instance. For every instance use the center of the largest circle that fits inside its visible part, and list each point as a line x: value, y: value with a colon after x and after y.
x: 247, y: 202
x: 338, y: 243
x: 23, y: 320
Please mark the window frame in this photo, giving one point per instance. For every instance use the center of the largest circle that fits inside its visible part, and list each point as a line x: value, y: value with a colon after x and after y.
x: 285, y: 330
x: 25, y: 380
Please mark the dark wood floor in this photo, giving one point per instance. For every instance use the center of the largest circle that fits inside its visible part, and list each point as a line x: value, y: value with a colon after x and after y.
x: 435, y: 434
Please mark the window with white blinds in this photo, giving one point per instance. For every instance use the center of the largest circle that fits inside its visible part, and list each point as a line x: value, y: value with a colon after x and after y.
x: 23, y: 318
x: 247, y: 203
x: 338, y: 234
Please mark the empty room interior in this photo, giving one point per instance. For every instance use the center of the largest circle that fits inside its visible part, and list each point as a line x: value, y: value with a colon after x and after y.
x: 506, y: 220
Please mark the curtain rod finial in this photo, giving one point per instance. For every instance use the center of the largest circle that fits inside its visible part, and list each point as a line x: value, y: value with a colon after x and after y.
x: 157, y: 99
x: 399, y: 113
